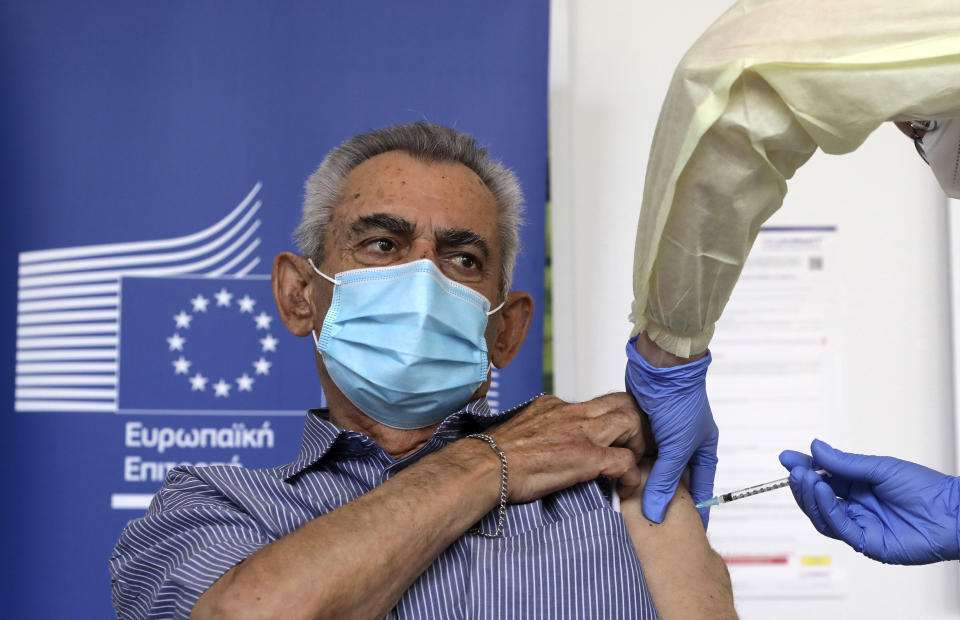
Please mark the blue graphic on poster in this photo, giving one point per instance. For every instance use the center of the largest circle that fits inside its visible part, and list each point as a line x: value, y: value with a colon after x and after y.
x: 153, y: 166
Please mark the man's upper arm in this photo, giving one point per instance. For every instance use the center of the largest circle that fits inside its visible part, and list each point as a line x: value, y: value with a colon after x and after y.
x: 189, y: 537
x: 686, y: 577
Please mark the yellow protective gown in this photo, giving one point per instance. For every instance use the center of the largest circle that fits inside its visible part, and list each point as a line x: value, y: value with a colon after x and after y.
x: 751, y: 101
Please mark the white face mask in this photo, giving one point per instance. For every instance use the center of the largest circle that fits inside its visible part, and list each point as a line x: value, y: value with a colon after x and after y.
x: 941, y: 149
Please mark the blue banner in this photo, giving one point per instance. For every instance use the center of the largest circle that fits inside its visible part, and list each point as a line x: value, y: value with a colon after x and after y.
x: 153, y: 164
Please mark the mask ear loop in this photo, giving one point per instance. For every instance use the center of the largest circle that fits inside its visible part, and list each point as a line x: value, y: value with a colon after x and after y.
x: 333, y: 281
x: 323, y: 275
x: 490, y: 365
x: 495, y: 310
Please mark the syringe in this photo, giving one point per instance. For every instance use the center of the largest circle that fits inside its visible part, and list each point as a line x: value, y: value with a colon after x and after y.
x: 754, y: 490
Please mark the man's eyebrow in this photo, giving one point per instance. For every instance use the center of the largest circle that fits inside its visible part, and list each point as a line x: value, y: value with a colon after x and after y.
x: 382, y: 221
x: 458, y: 237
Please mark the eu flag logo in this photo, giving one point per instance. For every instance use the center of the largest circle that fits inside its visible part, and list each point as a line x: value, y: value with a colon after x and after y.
x: 206, y: 345
x: 159, y: 326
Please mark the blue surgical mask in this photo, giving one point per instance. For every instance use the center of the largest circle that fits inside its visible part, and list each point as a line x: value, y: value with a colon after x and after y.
x: 404, y: 343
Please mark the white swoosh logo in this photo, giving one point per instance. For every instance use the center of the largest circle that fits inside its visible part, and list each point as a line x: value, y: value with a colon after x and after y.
x: 68, y: 306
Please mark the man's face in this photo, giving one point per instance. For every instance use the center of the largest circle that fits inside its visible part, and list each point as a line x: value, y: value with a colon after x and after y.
x: 397, y: 209
x: 394, y: 210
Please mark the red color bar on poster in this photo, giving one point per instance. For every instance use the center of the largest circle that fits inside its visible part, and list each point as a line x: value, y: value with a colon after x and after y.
x: 755, y: 559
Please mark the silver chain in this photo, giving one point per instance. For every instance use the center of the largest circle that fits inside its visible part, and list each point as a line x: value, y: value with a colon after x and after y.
x: 502, y: 512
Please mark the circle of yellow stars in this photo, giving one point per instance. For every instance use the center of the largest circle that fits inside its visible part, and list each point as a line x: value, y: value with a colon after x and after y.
x: 198, y: 381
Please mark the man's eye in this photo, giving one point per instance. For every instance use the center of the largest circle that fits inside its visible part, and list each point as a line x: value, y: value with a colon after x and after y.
x: 465, y: 261
x: 382, y: 245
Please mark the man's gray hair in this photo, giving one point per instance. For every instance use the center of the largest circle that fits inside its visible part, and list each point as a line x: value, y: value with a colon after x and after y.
x: 426, y: 142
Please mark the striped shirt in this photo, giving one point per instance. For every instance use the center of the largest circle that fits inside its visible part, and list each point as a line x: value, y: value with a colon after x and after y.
x: 567, y: 555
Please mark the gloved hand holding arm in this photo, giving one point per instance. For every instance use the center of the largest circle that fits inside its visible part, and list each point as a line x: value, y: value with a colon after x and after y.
x: 890, y: 510
x: 675, y: 400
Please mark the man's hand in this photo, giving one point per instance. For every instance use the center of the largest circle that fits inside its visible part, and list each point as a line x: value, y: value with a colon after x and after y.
x: 675, y: 399
x: 553, y: 444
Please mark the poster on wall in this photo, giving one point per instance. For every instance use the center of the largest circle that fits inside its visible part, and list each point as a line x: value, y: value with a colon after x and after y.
x: 775, y: 382
x: 154, y: 164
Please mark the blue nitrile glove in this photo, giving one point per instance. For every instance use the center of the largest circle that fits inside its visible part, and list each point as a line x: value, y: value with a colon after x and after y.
x: 890, y: 510
x: 675, y: 400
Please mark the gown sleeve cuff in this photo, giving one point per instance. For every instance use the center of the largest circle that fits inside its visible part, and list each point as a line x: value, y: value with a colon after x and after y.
x: 681, y: 345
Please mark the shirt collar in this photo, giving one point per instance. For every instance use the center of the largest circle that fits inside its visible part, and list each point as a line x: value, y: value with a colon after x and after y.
x: 320, y: 434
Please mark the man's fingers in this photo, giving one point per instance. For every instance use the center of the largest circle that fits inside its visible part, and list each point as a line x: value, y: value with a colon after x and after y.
x: 603, y: 436
x: 621, y: 463
x: 641, y: 441
x: 615, y: 428
x: 625, y: 491
x: 607, y: 403
x: 661, y: 485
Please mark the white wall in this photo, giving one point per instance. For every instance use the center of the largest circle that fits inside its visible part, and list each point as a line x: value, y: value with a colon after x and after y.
x: 611, y: 61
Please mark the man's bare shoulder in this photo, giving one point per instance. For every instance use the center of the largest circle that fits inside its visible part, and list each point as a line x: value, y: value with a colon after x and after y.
x: 686, y: 577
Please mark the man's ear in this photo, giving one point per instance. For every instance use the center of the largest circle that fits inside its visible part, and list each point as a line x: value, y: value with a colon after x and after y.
x: 291, y: 292
x: 515, y: 317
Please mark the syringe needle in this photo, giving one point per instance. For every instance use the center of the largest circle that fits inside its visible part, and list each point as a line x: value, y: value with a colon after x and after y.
x: 754, y: 490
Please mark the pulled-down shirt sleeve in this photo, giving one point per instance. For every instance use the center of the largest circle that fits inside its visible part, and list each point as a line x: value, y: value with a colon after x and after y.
x: 752, y: 100
x: 190, y: 536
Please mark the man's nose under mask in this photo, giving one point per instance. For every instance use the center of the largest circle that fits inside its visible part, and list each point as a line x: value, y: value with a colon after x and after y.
x: 405, y: 344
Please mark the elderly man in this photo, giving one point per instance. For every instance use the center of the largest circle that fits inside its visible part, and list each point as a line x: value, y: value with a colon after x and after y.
x: 409, y: 498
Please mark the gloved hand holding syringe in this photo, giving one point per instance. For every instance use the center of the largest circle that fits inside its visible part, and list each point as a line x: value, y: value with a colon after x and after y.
x: 754, y: 490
